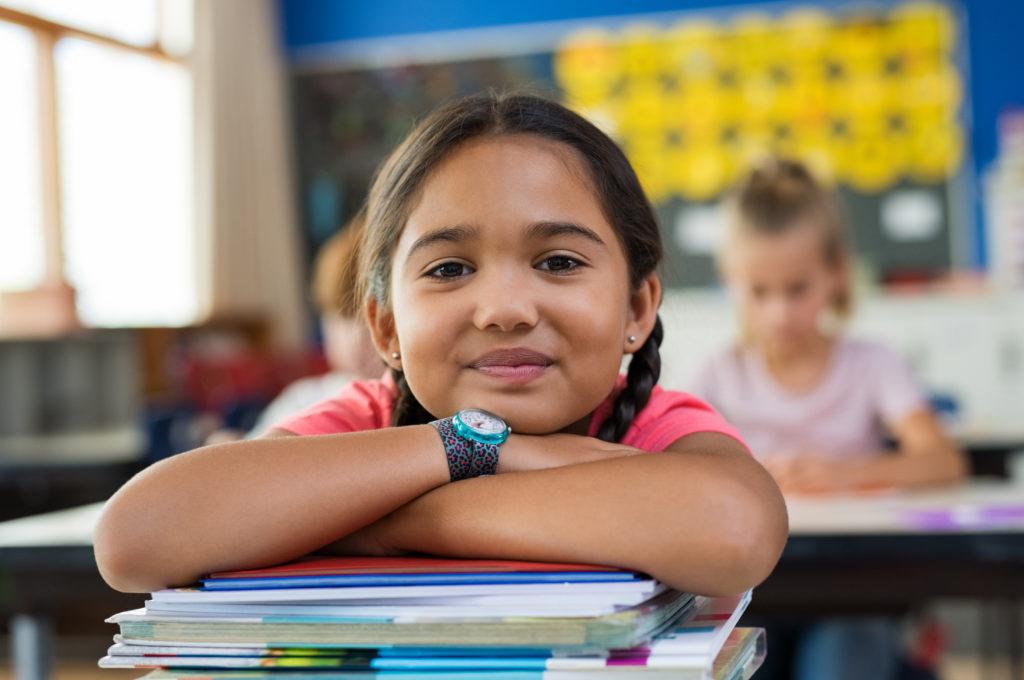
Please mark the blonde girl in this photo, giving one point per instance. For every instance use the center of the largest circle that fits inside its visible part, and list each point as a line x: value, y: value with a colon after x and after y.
x: 814, y: 405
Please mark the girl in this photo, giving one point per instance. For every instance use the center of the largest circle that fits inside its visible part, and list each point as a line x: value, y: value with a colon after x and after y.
x: 814, y: 406
x: 508, y: 264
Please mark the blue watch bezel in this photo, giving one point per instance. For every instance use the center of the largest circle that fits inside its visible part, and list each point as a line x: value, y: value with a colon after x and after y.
x: 467, y: 432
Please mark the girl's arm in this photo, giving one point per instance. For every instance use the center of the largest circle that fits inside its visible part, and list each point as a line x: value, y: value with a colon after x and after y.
x: 253, y: 503
x: 925, y: 457
x: 703, y: 517
x: 258, y: 502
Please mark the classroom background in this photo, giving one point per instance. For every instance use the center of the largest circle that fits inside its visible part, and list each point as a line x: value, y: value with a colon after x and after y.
x: 169, y: 168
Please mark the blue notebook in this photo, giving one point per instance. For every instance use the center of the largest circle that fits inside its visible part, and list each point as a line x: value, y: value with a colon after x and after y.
x: 419, y: 579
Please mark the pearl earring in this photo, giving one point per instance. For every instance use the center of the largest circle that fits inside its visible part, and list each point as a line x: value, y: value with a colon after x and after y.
x: 395, y: 355
x: 631, y: 339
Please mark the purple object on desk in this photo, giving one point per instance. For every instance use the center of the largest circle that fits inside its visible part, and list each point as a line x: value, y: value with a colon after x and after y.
x: 967, y: 517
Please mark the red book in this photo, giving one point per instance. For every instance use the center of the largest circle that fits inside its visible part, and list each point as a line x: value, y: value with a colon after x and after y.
x: 330, y: 566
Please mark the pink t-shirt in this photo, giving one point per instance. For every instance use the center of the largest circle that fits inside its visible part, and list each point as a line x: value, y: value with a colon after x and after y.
x: 866, y: 388
x: 366, y: 405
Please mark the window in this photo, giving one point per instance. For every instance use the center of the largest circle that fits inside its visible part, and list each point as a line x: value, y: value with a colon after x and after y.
x: 21, y: 236
x: 96, y: 174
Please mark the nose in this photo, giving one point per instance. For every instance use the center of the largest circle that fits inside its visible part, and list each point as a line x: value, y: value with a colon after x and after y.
x: 505, y: 300
x: 777, y: 312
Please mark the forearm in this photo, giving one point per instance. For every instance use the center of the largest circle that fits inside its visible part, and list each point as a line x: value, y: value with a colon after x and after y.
x: 258, y: 502
x: 906, y: 469
x: 699, y: 523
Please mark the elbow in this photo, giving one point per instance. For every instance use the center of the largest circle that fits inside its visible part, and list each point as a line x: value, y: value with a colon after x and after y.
x: 126, y: 560
x: 748, y: 557
x: 959, y: 468
x: 743, y: 548
x: 752, y: 556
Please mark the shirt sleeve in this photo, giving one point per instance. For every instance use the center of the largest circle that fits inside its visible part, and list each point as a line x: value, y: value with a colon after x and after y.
x: 673, y: 415
x: 897, y: 391
x: 362, y: 405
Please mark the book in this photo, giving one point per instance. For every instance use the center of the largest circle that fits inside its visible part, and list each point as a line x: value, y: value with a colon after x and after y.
x: 626, y: 628
x: 395, y: 618
x: 741, y: 654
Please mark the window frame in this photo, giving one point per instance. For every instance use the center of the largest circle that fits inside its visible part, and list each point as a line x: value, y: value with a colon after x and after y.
x: 47, y: 34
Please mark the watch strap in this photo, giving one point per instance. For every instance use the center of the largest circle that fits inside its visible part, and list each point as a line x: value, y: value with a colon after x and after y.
x: 466, y: 457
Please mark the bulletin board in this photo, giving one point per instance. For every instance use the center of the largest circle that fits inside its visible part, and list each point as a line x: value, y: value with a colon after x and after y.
x: 871, y: 98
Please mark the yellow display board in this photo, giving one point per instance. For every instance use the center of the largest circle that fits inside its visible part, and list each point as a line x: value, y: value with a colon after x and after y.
x: 867, y: 97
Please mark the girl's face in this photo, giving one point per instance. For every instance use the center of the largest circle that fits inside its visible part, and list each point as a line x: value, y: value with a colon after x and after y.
x: 510, y: 290
x: 783, y: 284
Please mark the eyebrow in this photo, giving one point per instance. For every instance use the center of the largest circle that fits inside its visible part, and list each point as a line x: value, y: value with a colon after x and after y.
x: 544, y: 230
x: 444, y: 235
x: 537, y: 231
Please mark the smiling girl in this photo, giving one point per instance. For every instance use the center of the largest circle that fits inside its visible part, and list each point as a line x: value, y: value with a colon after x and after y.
x: 508, y: 265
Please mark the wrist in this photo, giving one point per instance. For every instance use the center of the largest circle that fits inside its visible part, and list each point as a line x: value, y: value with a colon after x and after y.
x: 472, y: 440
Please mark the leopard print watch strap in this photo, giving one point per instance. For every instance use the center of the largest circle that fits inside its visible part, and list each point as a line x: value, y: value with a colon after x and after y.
x: 466, y: 458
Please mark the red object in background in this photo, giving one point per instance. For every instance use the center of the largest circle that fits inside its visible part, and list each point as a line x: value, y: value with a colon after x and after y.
x: 215, y: 381
x: 931, y: 643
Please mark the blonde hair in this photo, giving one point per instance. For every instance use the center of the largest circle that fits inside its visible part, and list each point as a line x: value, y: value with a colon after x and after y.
x: 336, y: 272
x: 780, y: 194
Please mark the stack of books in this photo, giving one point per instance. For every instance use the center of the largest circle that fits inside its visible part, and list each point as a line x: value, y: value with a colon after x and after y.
x: 362, y: 617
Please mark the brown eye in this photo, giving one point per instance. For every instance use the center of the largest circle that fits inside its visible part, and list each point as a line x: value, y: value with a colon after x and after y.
x: 449, y: 270
x: 559, y: 263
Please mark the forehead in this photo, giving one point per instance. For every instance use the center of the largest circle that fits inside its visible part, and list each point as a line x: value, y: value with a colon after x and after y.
x: 507, y: 182
x: 797, y: 251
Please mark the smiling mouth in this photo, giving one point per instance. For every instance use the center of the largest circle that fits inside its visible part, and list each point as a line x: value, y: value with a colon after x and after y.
x: 515, y: 365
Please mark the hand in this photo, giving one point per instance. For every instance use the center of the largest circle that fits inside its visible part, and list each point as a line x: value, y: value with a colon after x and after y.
x: 804, y: 473
x: 524, y: 452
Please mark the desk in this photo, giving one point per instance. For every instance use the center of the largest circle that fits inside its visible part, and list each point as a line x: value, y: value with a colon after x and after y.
x: 962, y: 542
x: 893, y: 552
x: 46, y: 565
x: 856, y: 554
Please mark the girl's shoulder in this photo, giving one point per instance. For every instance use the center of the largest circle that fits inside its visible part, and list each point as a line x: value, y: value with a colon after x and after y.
x: 360, y: 405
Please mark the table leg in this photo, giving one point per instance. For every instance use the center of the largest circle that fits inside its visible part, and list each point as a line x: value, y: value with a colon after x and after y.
x: 31, y: 646
x: 1016, y: 630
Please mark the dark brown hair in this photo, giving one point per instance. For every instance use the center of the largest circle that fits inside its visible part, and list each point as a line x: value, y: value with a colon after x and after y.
x: 781, y: 194
x: 615, y: 184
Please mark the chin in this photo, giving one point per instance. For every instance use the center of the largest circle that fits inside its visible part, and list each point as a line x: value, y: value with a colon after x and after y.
x: 530, y: 417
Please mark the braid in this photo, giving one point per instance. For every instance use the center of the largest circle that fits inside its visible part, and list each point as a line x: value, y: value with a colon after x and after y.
x: 643, y: 374
x: 407, y: 409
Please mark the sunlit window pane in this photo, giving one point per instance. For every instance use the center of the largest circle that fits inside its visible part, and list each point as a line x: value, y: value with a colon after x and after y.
x: 22, y: 261
x: 133, y: 21
x: 177, y: 18
x: 126, y: 160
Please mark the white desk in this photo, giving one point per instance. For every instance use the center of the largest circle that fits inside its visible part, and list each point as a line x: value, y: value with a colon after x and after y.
x: 975, y: 507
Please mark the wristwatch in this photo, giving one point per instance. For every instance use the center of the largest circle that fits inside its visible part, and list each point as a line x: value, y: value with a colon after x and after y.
x: 472, y: 438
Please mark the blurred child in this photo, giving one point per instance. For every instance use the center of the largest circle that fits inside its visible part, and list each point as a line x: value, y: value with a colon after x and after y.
x: 815, y: 406
x: 346, y: 339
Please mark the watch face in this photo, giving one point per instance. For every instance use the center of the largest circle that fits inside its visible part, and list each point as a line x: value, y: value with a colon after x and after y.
x: 482, y: 422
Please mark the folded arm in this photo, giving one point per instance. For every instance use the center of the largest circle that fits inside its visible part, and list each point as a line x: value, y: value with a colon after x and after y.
x: 925, y: 457
x: 703, y: 517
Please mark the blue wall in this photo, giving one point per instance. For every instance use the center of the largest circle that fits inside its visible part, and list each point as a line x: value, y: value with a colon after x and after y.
x: 995, y: 30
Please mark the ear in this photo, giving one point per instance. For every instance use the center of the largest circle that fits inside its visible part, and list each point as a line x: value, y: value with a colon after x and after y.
x: 643, y: 310
x: 381, y: 323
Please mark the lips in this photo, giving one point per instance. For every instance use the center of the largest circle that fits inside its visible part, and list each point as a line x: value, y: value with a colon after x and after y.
x: 516, y: 356
x: 515, y: 366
